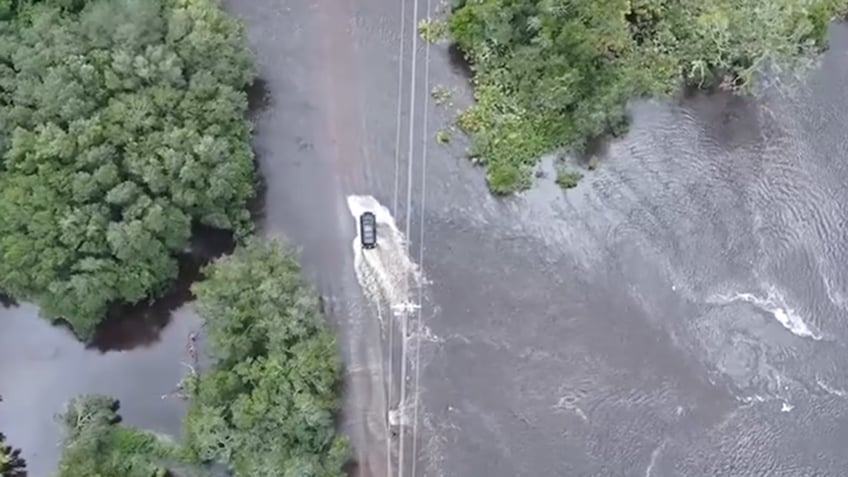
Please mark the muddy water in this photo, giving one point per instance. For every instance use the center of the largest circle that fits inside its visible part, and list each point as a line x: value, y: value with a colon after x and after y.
x: 680, y: 313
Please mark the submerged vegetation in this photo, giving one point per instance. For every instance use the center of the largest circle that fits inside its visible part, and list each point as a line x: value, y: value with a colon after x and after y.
x: 568, y: 179
x: 121, y: 125
x: 11, y: 462
x: 556, y: 73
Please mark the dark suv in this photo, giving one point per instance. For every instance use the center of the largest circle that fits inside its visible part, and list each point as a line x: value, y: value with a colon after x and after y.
x: 368, y: 230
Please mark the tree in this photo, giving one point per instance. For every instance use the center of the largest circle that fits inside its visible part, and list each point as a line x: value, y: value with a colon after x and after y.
x: 551, y: 73
x: 11, y: 462
x: 97, y: 445
x: 124, y: 124
x: 266, y: 407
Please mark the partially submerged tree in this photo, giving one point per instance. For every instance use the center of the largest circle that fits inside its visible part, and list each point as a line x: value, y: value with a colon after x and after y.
x: 11, y: 462
x: 97, y: 445
x: 552, y: 73
x: 266, y: 406
x: 121, y: 125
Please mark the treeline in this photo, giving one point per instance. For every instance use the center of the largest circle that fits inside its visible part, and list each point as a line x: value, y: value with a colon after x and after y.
x: 554, y: 73
x: 121, y: 124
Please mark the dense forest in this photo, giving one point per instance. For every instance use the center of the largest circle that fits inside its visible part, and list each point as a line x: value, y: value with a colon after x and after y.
x: 121, y: 125
x: 266, y: 405
x: 556, y: 73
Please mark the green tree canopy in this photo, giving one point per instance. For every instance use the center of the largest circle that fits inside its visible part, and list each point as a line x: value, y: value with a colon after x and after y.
x: 552, y: 73
x: 97, y: 445
x: 11, y: 462
x: 266, y: 407
x: 122, y: 123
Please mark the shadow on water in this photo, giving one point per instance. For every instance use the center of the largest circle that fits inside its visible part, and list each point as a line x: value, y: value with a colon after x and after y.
x: 256, y: 206
x: 15, y: 465
x: 258, y: 100
x: 594, y: 149
x: 6, y: 301
x: 459, y: 63
x: 130, y: 326
x: 728, y: 120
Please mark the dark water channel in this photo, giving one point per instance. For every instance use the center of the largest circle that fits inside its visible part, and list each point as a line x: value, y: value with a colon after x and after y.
x: 135, y: 356
x: 683, y: 312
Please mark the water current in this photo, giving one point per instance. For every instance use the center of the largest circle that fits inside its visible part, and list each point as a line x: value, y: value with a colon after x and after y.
x: 682, y: 312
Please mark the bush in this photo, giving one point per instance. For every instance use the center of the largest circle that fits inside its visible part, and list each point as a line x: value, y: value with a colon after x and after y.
x: 120, y: 124
x: 266, y: 407
x: 551, y: 74
x: 568, y: 179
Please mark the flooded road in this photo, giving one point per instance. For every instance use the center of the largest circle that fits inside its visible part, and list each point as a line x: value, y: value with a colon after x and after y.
x: 678, y: 314
x: 682, y: 312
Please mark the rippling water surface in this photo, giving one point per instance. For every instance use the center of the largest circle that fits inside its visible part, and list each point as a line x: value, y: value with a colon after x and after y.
x: 682, y: 312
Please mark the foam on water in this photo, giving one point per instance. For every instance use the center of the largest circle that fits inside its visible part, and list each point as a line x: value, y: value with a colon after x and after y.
x: 386, y: 272
x: 389, y: 276
x: 774, y: 304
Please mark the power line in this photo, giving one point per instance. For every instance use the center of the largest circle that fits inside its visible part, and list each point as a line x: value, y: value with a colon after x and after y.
x: 425, y: 141
x: 399, y: 103
x: 404, y: 317
x: 390, y: 328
